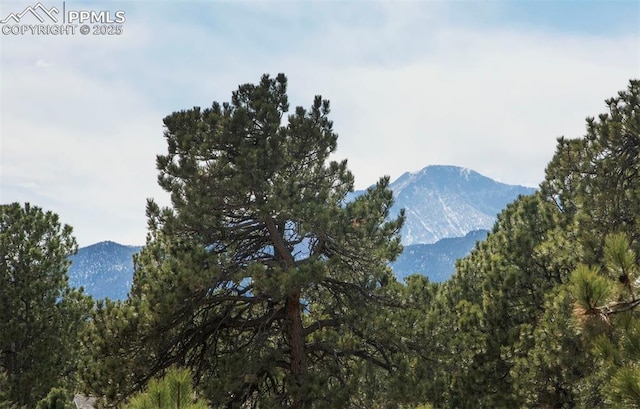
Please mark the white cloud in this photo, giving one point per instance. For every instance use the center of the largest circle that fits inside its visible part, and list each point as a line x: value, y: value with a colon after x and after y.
x: 76, y: 141
x: 493, y: 101
x: 409, y: 84
x: 44, y: 64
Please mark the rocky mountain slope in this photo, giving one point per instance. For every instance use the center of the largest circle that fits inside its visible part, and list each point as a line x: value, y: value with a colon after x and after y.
x: 104, y: 269
x: 449, y: 201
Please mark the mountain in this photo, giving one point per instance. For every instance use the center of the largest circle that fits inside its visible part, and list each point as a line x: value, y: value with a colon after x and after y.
x: 448, y: 201
x: 104, y: 269
x: 447, y: 209
x: 436, y: 260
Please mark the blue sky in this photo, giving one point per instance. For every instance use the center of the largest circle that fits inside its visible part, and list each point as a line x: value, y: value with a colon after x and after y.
x: 487, y: 85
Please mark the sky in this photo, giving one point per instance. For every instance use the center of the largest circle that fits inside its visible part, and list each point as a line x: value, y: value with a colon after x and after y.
x: 483, y: 84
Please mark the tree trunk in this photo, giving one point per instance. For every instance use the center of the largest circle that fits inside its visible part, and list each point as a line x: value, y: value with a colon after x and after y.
x: 294, y: 329
x: 297, y: 355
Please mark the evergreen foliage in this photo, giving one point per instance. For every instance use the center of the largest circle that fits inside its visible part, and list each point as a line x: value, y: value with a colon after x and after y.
x: 57, y: 399
x: 517, y: 324
x: 40, y: 315
x: 259, y: 278
x: 611, y: 321
x: 276, y: 292
x: 172, y: 391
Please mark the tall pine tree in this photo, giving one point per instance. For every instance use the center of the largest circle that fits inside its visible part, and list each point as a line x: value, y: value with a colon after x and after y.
x: 503, y: 326
x: 41, y: 317
x: 261, y: 278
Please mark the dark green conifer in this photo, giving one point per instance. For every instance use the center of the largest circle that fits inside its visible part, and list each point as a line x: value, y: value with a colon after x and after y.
x: 260, y: 277
x: 40, y: 315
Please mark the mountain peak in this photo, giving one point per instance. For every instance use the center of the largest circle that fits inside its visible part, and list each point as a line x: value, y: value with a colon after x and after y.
x: 443, y: 201
x: 436, y: 173
x: 104, y: 269
x: 448, y: 172
x: 108, y: 244
x: 442, y: 169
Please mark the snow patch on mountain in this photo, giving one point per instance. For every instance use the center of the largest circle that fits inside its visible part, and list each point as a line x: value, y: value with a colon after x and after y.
x: 104, y: 270
x: 448, y: 201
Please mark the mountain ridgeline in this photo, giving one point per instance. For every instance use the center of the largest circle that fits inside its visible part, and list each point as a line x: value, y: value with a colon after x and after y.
x: 436, y: 260
x: 448, y: 201
x: 448, y: 209
x: 104, y: 269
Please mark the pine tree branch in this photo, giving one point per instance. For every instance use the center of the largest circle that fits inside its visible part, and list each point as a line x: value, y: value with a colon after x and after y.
x: 620, y: 306
x: 331, y: 322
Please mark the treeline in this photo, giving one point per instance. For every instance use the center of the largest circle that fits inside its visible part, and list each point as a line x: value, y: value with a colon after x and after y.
x: 261, y: 287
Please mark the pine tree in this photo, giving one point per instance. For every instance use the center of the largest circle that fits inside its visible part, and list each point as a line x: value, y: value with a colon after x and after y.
x: 57, y: 399
x: 40, y: 315
x: 595, y: 180
x: 172, y: 391
x: 508, y: 302
x: 261, y: 278
x: 606, y: 305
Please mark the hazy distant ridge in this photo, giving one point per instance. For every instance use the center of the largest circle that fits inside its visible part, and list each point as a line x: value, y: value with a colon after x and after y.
x: 436, y: 260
